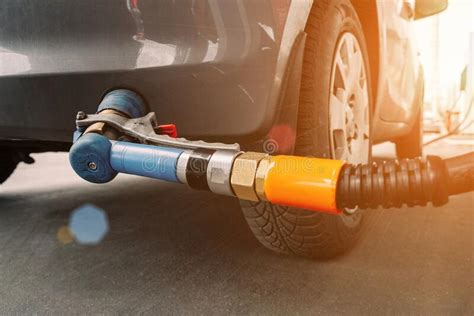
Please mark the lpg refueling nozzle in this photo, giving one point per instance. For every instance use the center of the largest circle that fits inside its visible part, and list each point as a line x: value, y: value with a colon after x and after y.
x: 122, y: 138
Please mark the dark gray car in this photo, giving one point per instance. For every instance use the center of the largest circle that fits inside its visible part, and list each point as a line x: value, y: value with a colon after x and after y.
x: 325, y: 79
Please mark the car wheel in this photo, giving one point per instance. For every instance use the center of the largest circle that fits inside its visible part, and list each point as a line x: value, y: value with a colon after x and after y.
x: 8, y: 163
x: 333, y: 122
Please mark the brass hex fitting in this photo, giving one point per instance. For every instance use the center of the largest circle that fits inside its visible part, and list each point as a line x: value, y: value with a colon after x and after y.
x: 243, y: 175
x: 262, y: 171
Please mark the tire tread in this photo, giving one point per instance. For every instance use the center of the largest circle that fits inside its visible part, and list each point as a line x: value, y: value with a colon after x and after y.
x: 294, y: 231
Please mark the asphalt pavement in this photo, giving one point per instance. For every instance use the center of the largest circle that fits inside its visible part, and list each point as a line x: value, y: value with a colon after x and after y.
x: 169, y: 250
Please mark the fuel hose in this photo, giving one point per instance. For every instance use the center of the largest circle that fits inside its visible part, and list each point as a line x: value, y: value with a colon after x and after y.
x: 320, y: 185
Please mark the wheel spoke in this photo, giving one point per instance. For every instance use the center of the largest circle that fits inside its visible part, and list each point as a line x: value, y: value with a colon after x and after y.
x: 349, y: 103
x: 337, y: 110
x: 340, y: 144
x: 342, y: 69
x: 349, y: 41
x: 355, y: 69
x: 362, y: 96
x: 346, y: 154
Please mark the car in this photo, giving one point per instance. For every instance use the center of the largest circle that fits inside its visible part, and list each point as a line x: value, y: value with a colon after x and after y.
x: 327, y: 78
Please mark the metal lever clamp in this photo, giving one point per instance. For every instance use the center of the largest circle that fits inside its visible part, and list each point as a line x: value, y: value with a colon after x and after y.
x: 143, y: 129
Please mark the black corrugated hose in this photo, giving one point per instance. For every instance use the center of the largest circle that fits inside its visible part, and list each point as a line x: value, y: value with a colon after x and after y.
x: 411, y: 182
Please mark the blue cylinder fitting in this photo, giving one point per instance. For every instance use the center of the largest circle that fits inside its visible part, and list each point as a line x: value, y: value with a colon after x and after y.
x: 97, y: 159
x: 90, y: 158
x: 145, y: 160
x: 125, y: 101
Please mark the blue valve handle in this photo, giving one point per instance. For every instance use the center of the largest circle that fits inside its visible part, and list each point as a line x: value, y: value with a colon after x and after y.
x: 98, y: 159
x: 145, y: 160
x: 90, y: 158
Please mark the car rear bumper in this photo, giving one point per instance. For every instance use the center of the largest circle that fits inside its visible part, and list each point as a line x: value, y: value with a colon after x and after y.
x: 214, y: 68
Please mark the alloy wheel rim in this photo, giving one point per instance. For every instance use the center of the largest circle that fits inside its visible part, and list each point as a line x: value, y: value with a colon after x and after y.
x: 349, y: 109
x: 349, y: 103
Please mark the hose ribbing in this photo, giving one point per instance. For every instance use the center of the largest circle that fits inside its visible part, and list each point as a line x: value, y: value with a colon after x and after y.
x: 411, y: 182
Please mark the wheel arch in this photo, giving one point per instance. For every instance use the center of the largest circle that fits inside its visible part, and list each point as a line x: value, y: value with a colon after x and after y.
x: 368, y: 15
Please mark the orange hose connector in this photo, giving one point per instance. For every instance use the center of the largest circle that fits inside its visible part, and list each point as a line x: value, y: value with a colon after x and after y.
x: 308, y: 183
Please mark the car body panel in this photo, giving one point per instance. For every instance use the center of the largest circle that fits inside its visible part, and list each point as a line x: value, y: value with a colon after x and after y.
x: 399, y: 72
x: 399, y: 78
x: 215, y: 68
x: 188, y: 58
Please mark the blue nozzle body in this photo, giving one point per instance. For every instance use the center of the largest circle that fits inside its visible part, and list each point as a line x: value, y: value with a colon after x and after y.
x: 90, y: 154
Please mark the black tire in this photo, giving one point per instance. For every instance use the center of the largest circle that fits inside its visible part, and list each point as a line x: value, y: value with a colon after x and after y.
x: 8, y: 163
x: 301, y: 232
x: 411, y: 145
